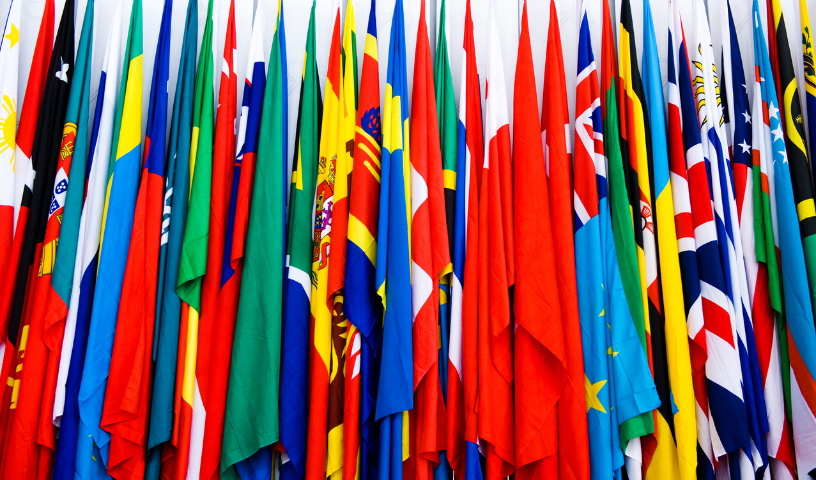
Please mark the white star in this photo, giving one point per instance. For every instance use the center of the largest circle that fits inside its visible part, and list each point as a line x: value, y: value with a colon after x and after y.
x: 746, y: 88
x: 778, y: 135
x: 745, y: 147
x: 772, y: 110
x: 62, y: 74
x: 747, y: 117
x: 784, y: 155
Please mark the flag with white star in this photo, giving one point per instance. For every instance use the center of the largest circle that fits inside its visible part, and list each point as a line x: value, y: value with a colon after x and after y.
x: 782, y: 208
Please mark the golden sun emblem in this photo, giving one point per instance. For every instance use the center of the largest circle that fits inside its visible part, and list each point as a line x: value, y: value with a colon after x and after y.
x: 8, y: 126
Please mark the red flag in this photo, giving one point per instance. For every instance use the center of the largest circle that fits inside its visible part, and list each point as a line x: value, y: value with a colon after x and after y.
x: 540, y: 359
x: 496, y: 273
x: 573, y: 456
x: 431, y: 260
x: 217, y: 323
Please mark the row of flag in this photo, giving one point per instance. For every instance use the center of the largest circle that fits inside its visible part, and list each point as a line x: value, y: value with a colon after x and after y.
x: 424, y: 296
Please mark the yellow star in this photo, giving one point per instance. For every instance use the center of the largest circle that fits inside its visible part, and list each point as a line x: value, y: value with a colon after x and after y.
x: 592, y: 390
x: 610, y: 352
x: 13, y: 36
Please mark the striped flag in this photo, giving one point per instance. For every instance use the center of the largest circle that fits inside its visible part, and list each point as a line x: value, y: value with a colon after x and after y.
x: 216, y: 327
x: 676, y: 419
x: 126, y: 407
x: 393, y: 272
x: 327, y: 347
x: 722, y: 286
x: 299, y: 244
x: 768, y: 318
x: 755, y: 461
x: 430, y: 256
x: 496, y: 272
x: 539, y: 358
x: 194, y: 255
x: 636, y: 137
x: 117, y: 224
x: 801, y: 335
x: 77, y: 323
x: 637, y: 419
x: 251, y: 421
x: 463, y: 359
x: 174, y: 216
x: 362, y: 305
x: 693, y: 218
x: 10, y: 60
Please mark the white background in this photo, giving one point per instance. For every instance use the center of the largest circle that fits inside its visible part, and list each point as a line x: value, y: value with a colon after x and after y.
x: 296, y: 12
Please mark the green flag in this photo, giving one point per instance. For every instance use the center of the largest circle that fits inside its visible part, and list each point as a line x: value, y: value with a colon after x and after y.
x: 193, y: 264
x: 251, y: 419
x: 448, y: 122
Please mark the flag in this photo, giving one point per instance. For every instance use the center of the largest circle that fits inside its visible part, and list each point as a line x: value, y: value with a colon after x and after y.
x: 637, y: 136
x: 676, y: 430
x: 795, y: 143
x: 24, y: 140
x: 393, y: 271
x: 10, y: 60
x: 573, y: 453
x: 728, y: 414
x: 328, y: 324
x: 44, y: 196
x: 215, y: 329
x: 299, y: 248
x: 801, y: 335
x: 430, y: 257
x: 693, y: 219
x: 362, y: 305
x: 117, y: 224
x: 338, y: 230
x: 126, y: 405
x: 755, y: 461
x: 174, y: 216
x: 77, y: 323
x: 809, y: 69
x: 195, y: 251
x: 539, y: 357
x: 636, y: 420
x: 251, y: 416
x: 463, y: 360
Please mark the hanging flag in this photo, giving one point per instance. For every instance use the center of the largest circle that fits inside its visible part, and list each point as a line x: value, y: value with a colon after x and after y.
x: 215, y: 331
x: 795, y: 143
x: 496, y: 269
x: 676, y: 429
x: 636, y: 420
x: 362, y: 305
x: 755, y: 461
x: 801, y: 335
x: 77, y: 323
x: 126, y: 407
x: 298, y: 288
x: 393, y: 273
x: 539, y: 358
x: 430, y: 257
x: 194, y: 255
x: 693, y: 218
x: 751, y: 185
x: 174, y: 216
x: 28, y: 455
x: 573, y: 450
x: 726, y: 310
x: 810, y: 71
x: 10, y: 60
x: 327, y: 348
x: 251, y: 417
x: 637, y: 136
x: 23, y: 176
x: 117, y: 224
